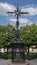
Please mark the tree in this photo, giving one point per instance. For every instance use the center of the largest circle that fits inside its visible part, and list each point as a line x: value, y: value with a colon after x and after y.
x: 6, y: 35
x: 29, y: 35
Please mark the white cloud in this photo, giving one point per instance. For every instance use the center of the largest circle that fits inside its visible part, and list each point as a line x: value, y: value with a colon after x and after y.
x: 31, y: 10
x: 4, y: 7
x: 22, y: 22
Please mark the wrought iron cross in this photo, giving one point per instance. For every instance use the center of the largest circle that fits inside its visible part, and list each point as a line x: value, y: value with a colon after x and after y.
x: 17, y: 14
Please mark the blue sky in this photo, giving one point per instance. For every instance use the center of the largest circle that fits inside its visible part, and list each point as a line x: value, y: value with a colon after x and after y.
x: 25, y: 5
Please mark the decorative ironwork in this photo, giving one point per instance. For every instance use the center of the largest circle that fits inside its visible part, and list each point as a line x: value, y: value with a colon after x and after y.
x: 17, y: 14
x: 18, y: 46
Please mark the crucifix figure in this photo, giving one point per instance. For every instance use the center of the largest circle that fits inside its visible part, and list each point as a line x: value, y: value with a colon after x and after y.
x: 17, y: 14
x: 18, y: 46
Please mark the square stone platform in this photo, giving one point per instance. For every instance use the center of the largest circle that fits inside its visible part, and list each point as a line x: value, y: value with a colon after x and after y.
x: 18, y: 63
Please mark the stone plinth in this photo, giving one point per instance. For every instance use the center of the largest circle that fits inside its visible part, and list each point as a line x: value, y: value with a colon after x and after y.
x: 18, y: 63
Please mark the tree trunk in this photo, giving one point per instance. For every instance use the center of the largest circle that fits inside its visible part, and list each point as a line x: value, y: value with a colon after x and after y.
x: 28, y: 50
x: 7, y: 50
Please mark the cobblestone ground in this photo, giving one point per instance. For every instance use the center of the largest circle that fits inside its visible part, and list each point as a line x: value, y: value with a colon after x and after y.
x: 5, y: 62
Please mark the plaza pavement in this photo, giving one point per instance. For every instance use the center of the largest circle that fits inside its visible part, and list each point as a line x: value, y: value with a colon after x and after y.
x: 5, y: 62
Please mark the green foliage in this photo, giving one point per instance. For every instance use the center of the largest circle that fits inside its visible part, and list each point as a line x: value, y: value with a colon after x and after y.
x: 8, y: 56
x: 28, y: 34
x: 31, y: 56
x: 6, y: 35
x: 5, y: 55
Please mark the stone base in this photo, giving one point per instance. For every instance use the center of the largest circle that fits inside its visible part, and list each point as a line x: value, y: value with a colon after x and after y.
x: 18, y: 63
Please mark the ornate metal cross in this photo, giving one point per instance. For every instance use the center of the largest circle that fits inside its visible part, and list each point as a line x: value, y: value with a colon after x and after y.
x: 17, y: 14
x: 17, y: 43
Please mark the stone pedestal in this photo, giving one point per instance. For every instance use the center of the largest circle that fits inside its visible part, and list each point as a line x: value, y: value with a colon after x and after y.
x: 18, y: 63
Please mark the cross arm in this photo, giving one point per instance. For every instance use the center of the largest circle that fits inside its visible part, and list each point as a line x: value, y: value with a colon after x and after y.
x: 10, y: 12
x: 24, y: 12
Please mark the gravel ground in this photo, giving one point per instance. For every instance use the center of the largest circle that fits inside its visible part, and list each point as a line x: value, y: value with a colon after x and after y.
x: 33, y: 62
x: 5, y: 62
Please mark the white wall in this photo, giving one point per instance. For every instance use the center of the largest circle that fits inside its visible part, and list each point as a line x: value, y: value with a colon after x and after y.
x: 2, y: 50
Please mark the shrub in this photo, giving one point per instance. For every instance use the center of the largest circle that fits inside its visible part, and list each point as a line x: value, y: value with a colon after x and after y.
x: 5, y: 55
x: 31, y: 56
